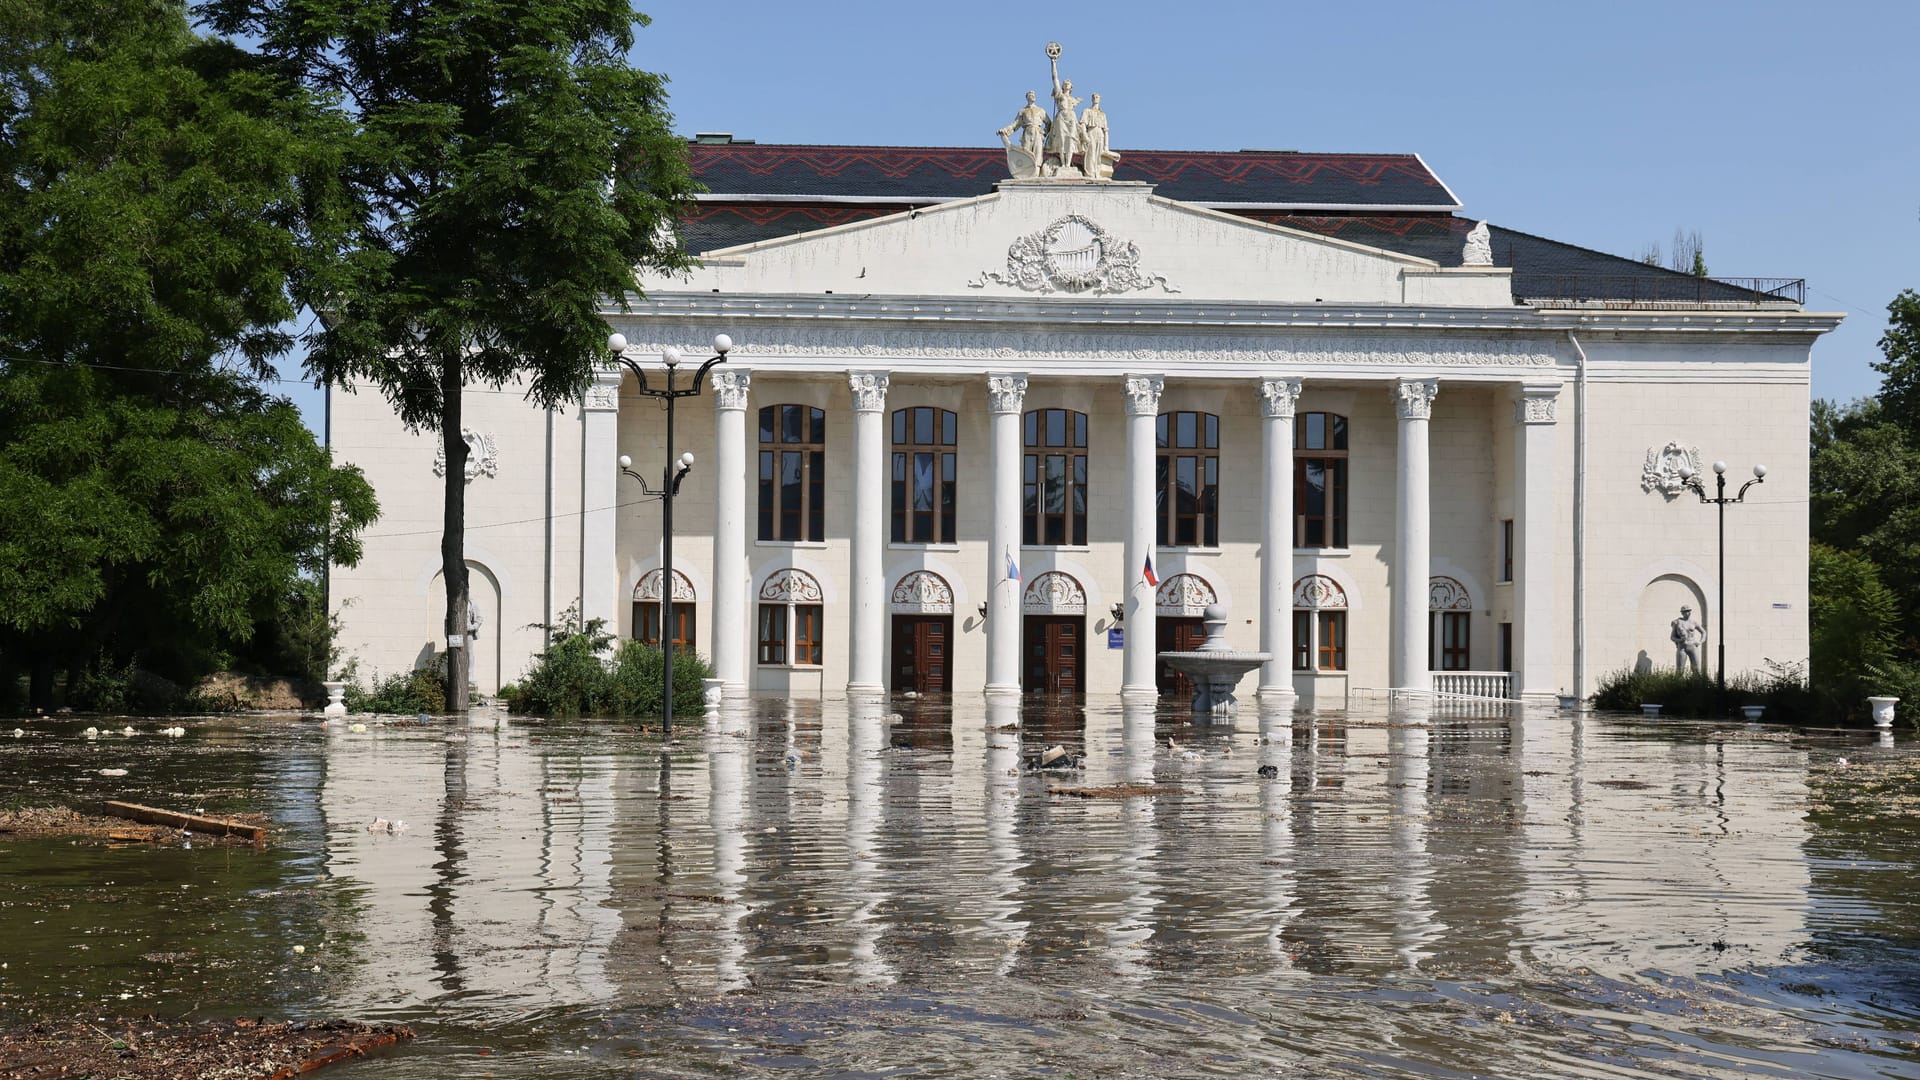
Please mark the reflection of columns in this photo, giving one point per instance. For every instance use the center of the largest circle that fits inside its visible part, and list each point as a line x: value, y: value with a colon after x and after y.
x: 1143, y: 408
x: 867, y: 650
x: 1276, y: 833
x: 1412, y: 521
x: 1002, y: 922
x: 866, y: 882
x: 1409, y: 741
x: 728, y: 769
x: 1534, y: 577
x: 1278, y: 396
x: 730, y: 619
x: 1005, y: 394
x: 599, y: 471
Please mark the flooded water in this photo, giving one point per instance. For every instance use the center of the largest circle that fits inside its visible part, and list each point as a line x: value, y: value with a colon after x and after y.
x: 824, y: 889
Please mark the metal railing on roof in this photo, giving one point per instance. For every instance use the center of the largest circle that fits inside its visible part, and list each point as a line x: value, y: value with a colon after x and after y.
x: 1663, y: 289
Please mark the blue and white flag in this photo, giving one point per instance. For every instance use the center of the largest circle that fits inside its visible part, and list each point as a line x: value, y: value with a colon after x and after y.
x: 1013, y: 568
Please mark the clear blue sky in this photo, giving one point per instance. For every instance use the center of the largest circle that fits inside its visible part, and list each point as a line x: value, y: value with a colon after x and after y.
x: 1785, y: 134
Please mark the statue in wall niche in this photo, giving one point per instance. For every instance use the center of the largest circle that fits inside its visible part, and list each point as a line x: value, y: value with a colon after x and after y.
x: 1023, y: 158
x: 1688, y: 637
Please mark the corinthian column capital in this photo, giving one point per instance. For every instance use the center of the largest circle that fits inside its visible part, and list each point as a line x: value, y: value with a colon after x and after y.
x: 869, y: 390
x: 1278, y: 395
x: 1143, y: 394
x: 731, y: 388
x: 1006, y: 393
x: 1413, y: 398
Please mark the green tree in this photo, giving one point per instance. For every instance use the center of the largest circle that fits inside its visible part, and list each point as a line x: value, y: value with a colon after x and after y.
x: 1899, y: 366
x: 508, y: 171
x: 155, y: 499
x: 1853, y: 620
x: 1865, y: 496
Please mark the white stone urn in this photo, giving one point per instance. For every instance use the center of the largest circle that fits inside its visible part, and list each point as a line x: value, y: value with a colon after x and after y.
x: 1753, y: 712
x: 336, y: 699
x: 1568, y: 702
x: 711, y: 691
x: 1882, y: 711
x: 1649, y: 710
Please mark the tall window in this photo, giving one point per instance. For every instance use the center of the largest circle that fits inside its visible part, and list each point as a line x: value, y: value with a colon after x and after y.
x: 1450, y: 635
x: 1320, y: 481
x: 646, y: 623
x: 1189, y: 479
x: 790, y: 619
x: 793, y: 473
x: 1319, y: 641
x: 924, y: 475
x: 1056, y: 478
x: 1506, y: 549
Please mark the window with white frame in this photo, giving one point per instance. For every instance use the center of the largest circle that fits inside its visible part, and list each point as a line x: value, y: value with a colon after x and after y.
x: 1319, y: 625
x: 790, y: 620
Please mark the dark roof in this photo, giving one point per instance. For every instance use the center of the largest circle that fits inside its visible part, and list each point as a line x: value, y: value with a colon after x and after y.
x: 938, y: 173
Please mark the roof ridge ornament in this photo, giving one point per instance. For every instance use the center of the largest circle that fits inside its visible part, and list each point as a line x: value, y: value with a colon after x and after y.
x: 1065, y: 146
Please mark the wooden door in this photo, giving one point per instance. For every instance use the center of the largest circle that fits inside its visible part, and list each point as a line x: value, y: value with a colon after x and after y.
x: 920, y: 653
x: 1176, y: 634
x: 1053, y: 646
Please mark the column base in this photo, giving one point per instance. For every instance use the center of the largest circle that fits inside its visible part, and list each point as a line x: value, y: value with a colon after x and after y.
x: 1135, y: 694
x: 865, y: 690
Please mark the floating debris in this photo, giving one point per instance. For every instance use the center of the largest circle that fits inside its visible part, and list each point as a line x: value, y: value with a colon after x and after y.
x: 1117, y: 791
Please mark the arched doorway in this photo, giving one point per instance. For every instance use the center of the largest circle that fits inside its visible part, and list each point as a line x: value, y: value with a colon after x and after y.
x: 647, y: 607
x: 1178, y: 606
x: 1054, y: 614
x: 922, y: 607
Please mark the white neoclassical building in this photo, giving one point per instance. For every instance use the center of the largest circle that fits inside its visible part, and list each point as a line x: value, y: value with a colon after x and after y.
x: 987, y: 433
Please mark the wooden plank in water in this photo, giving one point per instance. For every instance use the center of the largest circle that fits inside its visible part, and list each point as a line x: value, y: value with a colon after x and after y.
x: 192, y: 822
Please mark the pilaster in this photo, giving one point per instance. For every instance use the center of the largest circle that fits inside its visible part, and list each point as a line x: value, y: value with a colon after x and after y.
x: 1537, y: 562
x: 599, y: 497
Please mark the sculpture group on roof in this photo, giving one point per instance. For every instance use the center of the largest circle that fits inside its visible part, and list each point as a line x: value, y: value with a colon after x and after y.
x: 1069, y: 145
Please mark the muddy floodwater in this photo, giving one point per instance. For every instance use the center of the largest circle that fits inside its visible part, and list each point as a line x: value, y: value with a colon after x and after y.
x: 808, y: 889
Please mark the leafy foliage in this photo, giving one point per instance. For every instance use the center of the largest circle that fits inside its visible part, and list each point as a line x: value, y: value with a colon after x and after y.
x: 503, y: 172
x: 410, y: 692
x: 570, y: 678
x: 1899, y: 366
x: 1783, y: 690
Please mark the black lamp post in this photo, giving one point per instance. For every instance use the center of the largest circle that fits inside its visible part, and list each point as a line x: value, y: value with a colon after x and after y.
x: 1698, y: 485
x: 669, y: 487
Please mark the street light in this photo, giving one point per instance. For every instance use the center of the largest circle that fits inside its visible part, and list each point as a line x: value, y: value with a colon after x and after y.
x: 1698, y: 486
x: 669, y: 486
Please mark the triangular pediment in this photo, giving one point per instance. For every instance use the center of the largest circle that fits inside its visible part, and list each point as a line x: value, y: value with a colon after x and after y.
x: 1085, y: 241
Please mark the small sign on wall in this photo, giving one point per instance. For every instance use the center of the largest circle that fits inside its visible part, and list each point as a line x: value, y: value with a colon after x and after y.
x: 1116, y: 637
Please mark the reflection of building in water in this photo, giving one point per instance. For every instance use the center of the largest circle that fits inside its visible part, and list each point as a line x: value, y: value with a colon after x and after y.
x: 500, y: 884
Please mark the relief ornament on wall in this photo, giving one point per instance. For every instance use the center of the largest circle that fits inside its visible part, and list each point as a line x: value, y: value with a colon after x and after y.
x: 1667, y: 469
x: 483, y: 458
x: 1073, y: 255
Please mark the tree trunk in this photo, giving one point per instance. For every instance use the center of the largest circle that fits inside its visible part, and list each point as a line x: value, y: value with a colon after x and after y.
x: 453, y: 541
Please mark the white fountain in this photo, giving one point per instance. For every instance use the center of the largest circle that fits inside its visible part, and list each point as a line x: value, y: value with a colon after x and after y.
x: 1215, y: 667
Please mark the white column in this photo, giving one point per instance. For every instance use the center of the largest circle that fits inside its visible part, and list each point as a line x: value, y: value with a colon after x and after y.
x: 1537, y: 562
x: 1277, y: 398
x: 867, y: 649
x: 1407, y: 660
x: 1143, y: 408
x: 731, y: 614
x: 599, y: 495
x: 1005, y: 397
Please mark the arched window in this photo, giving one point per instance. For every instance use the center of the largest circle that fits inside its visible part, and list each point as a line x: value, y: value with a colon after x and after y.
x: 791, y: 611
x: 646, y: 610
x: 1449, y: 625
x: 1319, y: 624
x: 925, y: 475
x: 1056, y: 478
x: 1189, y: 479
x: 793, y: 473
x: 1320, y: 481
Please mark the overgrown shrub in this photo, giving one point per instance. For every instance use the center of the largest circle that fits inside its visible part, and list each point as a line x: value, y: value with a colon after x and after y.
x: 421, y: 691
x: 570, y: 678
x: 1783, y: 688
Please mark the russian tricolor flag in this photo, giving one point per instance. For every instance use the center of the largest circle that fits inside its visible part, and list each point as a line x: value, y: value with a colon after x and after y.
x: 1013, y: 568
x: 1148, y: 570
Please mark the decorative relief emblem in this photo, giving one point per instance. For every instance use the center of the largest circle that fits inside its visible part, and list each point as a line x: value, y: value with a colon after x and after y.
x: 791, y: 586
x: 482, y: 457
x: 731, y: 388
x: 1664, y: 468
x: 1073, y: 255
x: 1318, y: 591
x: 1413, y: 398
x: 923, y: 592
x: 1535, y: 407
x: 1005, y: 393
x: 1447, y: 594
x: 1184, y: 595
x: 1278, y: 396
x: 649, y: 587
x: 1054, y: 593
x: 602, y: 396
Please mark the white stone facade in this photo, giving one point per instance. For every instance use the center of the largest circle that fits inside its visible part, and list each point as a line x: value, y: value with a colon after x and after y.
x: 1464, y: 410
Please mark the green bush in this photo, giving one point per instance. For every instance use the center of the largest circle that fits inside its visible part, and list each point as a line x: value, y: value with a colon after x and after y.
x: 570, y: 679
x: 1783, y: 688
x: 421, y: 691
